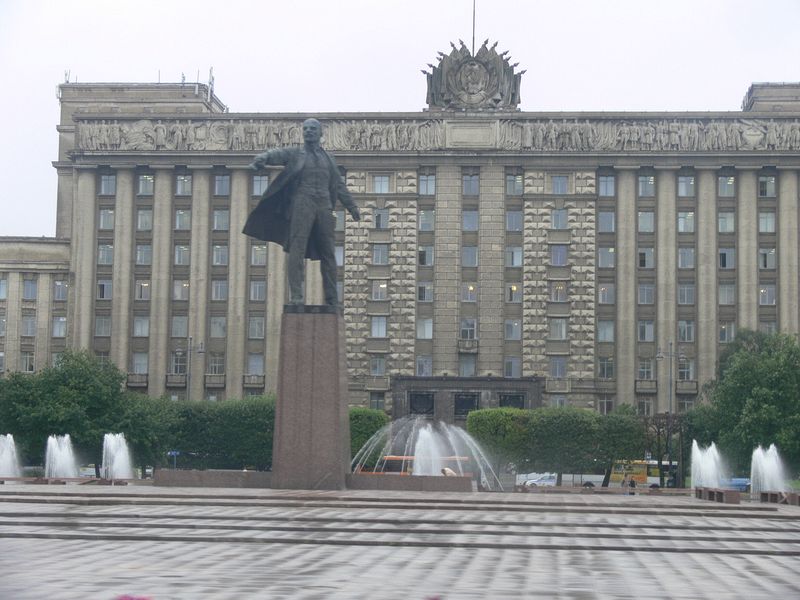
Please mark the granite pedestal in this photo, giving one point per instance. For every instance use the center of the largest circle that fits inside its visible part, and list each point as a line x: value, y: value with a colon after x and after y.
x: 311, y: 448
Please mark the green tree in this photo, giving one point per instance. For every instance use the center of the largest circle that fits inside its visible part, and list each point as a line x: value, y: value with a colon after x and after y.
x: 504, y: 433
x: 149, y: 425
x: 364, y: 423
x: 620, y: 436
x: 564, y: 440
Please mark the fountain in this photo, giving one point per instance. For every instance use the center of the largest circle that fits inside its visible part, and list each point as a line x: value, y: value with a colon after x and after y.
x: 9, y: 465
x: 766, y: 472
x: 424, y: 447
x: 707, y: 466
x: 116, y: 457
x: 60, y: 460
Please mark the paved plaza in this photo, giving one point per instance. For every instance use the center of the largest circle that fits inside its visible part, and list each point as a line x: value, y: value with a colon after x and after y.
x: 87, y: 542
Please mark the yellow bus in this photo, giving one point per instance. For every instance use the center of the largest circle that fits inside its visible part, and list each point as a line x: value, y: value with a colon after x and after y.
x: 643, y: 472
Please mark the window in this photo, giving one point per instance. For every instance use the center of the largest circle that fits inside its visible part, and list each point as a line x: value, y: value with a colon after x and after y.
x: 558, y: 291
x: 686, y: 369
x: 139, y: 362
x: 105, y: 254
x: 380, y: 184
x: 376, y: 400
x: 558, y: 367
x: 727, y: 331
x: 183, y: 219
x: 141, y: 326
x: 379, y: 289
x: 106, y: 219
x: 727, y: 258
x: 514, y: 256
x: 686, y: 257
x: 219, y: 289
x: 255, y: 327
x: 378, y: 327
x: 470, y: 184
x: 606, y: 293
x: 146, y: 184
x: 646, y: 331
x: 102, y: 326
x: 260, y: 184
x: 469, y: 220
x: 513, y: 329
x: 726, y: 221
x: 766, y: 294
x: 425, y: 256
x: 469, y: 292
x: 686, y: 331
x: 28, y: 325
x: 180, y: 289
x: 768, y: 327
x: 216, y: 366
x: 425, y: 328
x: 558, y: 219
x: 180, y: 326
x: 59, y: 327
x: 183, y: 184
x: 686, y: 221
x: 645, y: 369
x: 108, y: 185
x: 424, y: 366
x: 144, y: 219
x: 557, y: 328
x: 686, y: 293
x: 605, y: 331
x: 338, y: 224
x: 381, y: 217
x: 469, y: 329
x: 426, y: 219
x: 377, y: 366
x: 255, y: 363
x: 221, y: 219
x: 766, y: 222
x: 182, y: 254
x: 605, y: 367
x: 222, y: 185
x: 605, y: 257
x: 60, y: 289
x: 606, y: 221
x: 646, y: 221
x: 218, y: 326
x: 338, y: 253
x: 258, y: 290
x: 144, y: 254
x: 177, y: 362
x: 3, y: 288
x: 380, y: 254
x: 514, y: 221
x: 141, y: 289
x: 685, y: 186
x: 469, y: 256
x: 605, y: 405
x: 2, y: 361
x: 726, y: 186
x: 258, y: 255
x: 513, y: 184
x: 513, y: 293
x: 26, y: 363
x: 467, y: 364
x: 605, y: 185
x: 727, y: 294
x: 646, y: 258
x: 647, y: 293
x: 766, y: 186
x: 766, y: 258
x: 427, y: 184
x: 512, y: 366
x: 558, y: 184
x: 644, y: 407
x: 425, y: 291
x: 558, y: 255
x: 104, y: 289
x: 647, y: 186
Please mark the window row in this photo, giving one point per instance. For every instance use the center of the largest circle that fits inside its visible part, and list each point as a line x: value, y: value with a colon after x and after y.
x: 726, y: 186
x: 30, y: 289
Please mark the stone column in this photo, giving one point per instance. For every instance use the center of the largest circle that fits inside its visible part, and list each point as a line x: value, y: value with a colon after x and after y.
x: 747, y: 248
x: 64, y: 203
x: 447, y: 270
x: 788, y: 263
x: 626, y: 286
x: 84, y: 258
x: 44, y: 333
x: 13, y: 320
x: 707, y: 261
x: 199, y: 279
x: 276, y: 295
x: 238, y: 292
x: 491, y: 268
x: 124, y: 225
x: 666, y: 278
x: 161, y: 283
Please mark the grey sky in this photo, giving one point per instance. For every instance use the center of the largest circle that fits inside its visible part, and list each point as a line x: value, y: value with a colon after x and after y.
x: 361, y: 55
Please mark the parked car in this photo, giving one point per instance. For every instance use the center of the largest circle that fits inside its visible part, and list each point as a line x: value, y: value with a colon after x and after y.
x: 546, y: 480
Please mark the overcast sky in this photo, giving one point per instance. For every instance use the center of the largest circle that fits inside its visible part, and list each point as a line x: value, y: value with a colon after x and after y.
x: 366, y: 55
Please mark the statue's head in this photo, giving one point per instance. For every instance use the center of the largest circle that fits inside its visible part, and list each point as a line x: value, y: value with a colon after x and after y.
x: 312, y: 131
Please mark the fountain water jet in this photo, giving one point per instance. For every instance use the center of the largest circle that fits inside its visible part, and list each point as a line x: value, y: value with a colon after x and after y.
x: 116, y: 457
x: 9, y: 464
x: 767, y: 473
x: 707, y: 467
x: 60, y: 460
x: 432, y: 446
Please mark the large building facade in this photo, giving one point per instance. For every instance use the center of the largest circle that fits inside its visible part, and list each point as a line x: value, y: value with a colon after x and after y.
x: 504, y: 257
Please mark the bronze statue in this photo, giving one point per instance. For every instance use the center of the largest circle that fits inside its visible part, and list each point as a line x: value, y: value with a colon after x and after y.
x: 296, y: 211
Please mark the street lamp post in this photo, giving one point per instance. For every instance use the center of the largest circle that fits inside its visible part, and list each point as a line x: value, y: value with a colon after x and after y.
x: 671, y: 354
x: 189, y: 349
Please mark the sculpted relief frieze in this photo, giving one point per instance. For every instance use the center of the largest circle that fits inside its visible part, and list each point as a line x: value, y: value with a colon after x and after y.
x: 520, y: 135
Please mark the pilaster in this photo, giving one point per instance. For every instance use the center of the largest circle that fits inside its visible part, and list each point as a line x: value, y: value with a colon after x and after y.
x: 491, y: 261
x: 706, y: 285
x: 238, y: 292
x: 199, y: 284
x: 747, y: 248
x: 626, y: 286
x: 788, y: 261
x: 84, y: 256
x: 666, y: 277
x: 124, y: 225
